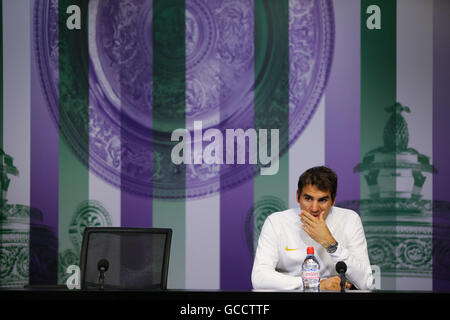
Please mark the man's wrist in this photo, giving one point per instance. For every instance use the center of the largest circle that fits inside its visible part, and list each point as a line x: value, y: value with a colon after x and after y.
x: 328, y: 242
x: 332, y: 248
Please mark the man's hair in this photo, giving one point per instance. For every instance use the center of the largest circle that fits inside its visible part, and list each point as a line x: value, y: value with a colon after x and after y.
x: 321, y: 177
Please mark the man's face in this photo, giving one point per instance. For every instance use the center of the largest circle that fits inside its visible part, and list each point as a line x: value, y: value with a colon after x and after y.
x: 314, y: 201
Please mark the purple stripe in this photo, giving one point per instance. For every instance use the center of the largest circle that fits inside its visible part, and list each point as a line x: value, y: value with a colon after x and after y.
x: 236, y: 199
x: 43, y: 186
x: 236, y: 259
x: 342, y: 101
x: 441, y: 143
x: 135, y: 210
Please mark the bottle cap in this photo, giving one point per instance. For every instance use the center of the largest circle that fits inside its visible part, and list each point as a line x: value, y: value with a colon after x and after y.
x: 310, y: 250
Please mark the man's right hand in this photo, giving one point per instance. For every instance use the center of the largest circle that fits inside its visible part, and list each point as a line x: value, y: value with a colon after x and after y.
x: 333, y: 283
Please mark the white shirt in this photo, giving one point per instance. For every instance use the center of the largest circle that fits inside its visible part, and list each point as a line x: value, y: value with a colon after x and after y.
x: 282, y: 249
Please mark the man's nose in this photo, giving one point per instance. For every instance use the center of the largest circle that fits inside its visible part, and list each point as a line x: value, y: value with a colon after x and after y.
x: 315, y: 206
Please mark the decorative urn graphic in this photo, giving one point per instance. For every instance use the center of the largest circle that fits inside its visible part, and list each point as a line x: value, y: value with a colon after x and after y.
x: 397, y: 220
x: 395, y: 171
x: 15, y: 234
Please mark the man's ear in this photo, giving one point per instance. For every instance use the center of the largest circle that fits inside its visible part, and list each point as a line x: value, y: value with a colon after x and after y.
x: 298, y: 195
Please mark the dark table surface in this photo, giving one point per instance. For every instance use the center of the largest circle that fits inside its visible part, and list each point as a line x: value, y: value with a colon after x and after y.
x: 216, y: 304
x: 62, y: 293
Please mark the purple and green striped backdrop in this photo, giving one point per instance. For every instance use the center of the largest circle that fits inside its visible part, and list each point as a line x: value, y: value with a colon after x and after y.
x: 87, y: 116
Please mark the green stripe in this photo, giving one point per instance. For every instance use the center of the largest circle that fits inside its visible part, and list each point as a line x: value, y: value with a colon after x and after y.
x: 169, y: 87
x: 378, y: 73
x: 1, y: 76
x: 73, y: 113
x: 271, y: 97
x: 378, y: 92
x: 1, y: 121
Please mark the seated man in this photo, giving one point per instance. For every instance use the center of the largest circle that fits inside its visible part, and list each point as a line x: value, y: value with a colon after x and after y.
x: 335, y: 233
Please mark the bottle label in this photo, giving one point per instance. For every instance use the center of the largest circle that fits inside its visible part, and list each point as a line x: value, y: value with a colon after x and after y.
x: 309, y: 275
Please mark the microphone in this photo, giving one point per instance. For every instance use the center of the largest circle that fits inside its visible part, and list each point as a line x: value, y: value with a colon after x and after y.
x: 102, y: 266
x: 341, y: 268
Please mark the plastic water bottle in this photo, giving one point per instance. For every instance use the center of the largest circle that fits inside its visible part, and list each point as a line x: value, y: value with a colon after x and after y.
x: 311, y: 272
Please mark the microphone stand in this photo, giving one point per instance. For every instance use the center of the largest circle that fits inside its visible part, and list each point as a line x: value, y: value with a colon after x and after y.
x: 341, y: 268
x: 102, y: 266
x: 101, y: 279
x: 343, y: 279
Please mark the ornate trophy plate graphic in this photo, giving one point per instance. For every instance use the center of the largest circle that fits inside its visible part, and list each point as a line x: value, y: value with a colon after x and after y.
x: 129, y: 144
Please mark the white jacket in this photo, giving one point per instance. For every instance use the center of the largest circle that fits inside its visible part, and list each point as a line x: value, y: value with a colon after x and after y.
x: 282, y: 249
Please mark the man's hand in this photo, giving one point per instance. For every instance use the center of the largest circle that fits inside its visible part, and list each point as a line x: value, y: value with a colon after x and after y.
x: 316, y: 228
x: 333, y: 283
